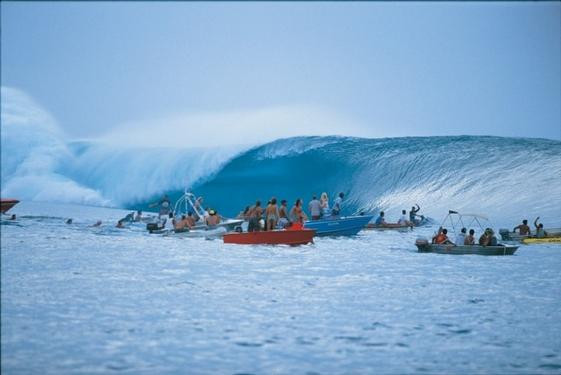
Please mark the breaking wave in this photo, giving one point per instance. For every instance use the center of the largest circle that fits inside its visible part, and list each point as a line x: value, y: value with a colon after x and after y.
x: 505, y: 178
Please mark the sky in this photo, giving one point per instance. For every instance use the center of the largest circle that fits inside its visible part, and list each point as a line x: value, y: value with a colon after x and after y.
x: 230, y: 73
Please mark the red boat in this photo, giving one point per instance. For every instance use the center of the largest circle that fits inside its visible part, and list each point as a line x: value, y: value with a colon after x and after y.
x: 274, y: 237
x: 7, y: 204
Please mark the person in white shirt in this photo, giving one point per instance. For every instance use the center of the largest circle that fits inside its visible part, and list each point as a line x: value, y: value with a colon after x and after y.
x: 461, y: 237
x: 337, y: 204
x: 403, y: 219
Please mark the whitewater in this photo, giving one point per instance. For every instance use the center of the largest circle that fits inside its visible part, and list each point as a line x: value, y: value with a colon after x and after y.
x: 78, y: 299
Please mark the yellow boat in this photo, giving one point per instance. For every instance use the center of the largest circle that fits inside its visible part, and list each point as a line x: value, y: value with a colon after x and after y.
x: 542, y: 240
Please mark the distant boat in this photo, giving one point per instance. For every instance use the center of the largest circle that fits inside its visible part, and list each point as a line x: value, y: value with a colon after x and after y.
x: 339, y: 226
x: 7, y: 204
x: 273, y: 237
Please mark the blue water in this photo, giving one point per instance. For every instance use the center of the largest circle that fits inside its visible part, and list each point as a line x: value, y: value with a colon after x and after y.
x: 77, y: 299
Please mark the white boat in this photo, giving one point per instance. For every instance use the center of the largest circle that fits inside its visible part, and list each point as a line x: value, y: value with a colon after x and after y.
x: 187, y: 203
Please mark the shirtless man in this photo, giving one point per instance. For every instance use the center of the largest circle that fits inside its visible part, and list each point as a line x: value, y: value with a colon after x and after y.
x: 523, y: 228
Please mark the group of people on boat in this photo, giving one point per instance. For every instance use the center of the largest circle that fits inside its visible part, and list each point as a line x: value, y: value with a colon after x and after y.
x: 524, y: 229
x: 487, y: 238
x: 280, y: 217
x: 412, y: 220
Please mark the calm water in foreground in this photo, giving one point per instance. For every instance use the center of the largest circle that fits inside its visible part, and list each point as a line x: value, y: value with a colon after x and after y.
x: 81, y: 300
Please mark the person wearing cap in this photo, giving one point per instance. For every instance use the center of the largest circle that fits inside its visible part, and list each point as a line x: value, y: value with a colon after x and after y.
x: 212, y: 218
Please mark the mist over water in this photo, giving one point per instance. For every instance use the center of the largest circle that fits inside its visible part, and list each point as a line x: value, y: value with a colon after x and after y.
x: 504, y: 178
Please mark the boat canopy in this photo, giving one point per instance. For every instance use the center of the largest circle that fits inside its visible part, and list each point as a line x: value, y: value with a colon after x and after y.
x: 459, y: 220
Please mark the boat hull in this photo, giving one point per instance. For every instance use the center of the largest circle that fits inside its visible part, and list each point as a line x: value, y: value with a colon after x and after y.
x: 341, y: 226
x: 275, y: 237
x: 467, y: 250
x: 7, y: 204
x: 397, y: 227
x: 544, y: 240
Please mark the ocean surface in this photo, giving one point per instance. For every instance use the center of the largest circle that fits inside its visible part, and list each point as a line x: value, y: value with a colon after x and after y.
x: 83, y: 300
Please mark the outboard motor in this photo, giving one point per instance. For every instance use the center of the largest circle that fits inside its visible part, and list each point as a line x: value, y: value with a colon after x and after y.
x: 505, y: 234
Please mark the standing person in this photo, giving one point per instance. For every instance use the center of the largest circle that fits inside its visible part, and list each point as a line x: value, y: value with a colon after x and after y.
x: 138, y: 216
x: 165, y: 206
x: 283, y: 215
x: 324, y: 204
x: 461, y: 237
x: 470, y: 238
x: 413, y: 215
x: 315, y: 208
x: 272, y: 214
x: 254, y: 216
x: 297, y: 214
x: 337, y: 204
x: 540, y: 232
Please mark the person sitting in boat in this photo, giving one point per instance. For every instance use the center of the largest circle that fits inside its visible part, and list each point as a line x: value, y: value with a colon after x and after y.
x: 403, y: 219
x: 337, y: 205
x: 283, y: 215
x: 436, y: 235
x: 461, y: 237
x: 213, y: 218
x: 315, y: 208
x: 324, y: 205
x: 380, y: 219
x: 254, y: 215
x: 180, y: 224
x: 169, y: 222
x: 413, y: 215
x: 470, y: 238
x: 190, y: 220
x: 523, y: 228
x: 271, y: 214
x: 138, y: 216
x: 540, y: 232
x: 442, y: 238
x: 485, y: 238
x: 492, y: 238
x: 297, y: 214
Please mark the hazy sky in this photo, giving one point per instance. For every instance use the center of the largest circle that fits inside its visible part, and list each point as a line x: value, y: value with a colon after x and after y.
x: 229, y: 71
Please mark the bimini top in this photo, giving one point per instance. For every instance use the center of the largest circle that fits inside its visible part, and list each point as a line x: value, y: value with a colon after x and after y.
x: 459, y: 220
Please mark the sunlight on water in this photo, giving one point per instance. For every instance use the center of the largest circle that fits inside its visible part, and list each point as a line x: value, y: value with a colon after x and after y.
x: 77, y: 299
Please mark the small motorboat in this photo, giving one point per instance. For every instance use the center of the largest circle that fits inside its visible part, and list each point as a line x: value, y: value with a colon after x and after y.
x: 425, y: 247
x: 507, y: 235
x: 273, y: 237
x: 7, y: 204
x: 339, y: 226
x: 455, y: 221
